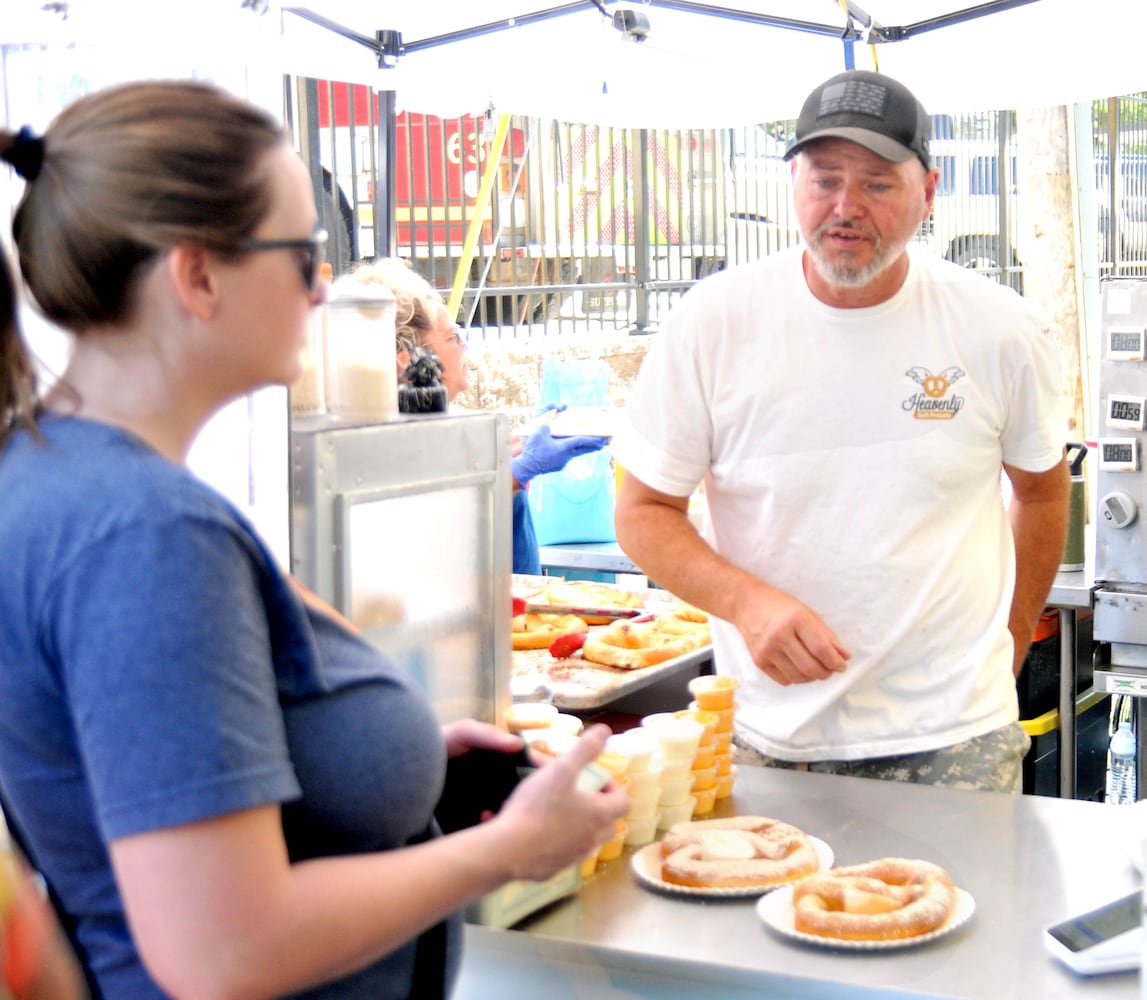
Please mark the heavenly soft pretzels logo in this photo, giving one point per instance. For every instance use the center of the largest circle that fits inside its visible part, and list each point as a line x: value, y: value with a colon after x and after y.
x: 931, y: 404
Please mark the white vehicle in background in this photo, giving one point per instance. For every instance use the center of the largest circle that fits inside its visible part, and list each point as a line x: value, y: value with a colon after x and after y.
x: 761, y: 218
x: 971, y: 224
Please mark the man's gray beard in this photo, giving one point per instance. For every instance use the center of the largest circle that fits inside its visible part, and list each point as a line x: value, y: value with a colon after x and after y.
x: 843, y: 273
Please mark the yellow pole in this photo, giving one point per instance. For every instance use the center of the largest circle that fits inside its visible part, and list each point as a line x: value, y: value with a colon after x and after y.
x: 484, y: 189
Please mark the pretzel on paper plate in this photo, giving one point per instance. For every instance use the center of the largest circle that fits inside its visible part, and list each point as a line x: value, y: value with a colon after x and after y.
x: 882, y: 900
x: 537, y: 631
x: 736, y: 851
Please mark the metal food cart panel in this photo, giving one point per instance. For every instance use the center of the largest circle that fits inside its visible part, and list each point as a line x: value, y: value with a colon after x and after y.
x: 404, y: 527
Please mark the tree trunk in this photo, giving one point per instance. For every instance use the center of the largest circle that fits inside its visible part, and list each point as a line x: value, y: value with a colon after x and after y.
x: 1048, y: 245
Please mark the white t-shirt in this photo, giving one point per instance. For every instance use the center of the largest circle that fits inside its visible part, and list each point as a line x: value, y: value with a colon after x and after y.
x: 852, y: 457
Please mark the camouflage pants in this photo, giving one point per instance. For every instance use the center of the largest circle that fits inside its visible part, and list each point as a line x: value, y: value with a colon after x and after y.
x: 992, y: 762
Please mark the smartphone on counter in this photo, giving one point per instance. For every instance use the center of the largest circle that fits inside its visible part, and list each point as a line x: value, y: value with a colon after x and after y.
x: 1106, y: 939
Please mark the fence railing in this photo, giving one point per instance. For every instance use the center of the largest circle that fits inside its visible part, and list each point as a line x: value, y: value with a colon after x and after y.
x: 590, y: 227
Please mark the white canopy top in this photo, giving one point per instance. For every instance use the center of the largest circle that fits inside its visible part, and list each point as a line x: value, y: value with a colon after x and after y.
x: 693, y: 69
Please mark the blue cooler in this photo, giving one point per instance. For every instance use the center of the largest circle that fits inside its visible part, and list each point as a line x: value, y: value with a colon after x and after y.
x: 575, y: 504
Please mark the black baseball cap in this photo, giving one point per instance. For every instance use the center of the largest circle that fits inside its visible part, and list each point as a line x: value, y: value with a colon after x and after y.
x: 870, y: 109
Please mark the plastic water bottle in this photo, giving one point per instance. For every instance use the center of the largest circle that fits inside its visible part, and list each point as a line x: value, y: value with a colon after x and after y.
x: 1121, y: 772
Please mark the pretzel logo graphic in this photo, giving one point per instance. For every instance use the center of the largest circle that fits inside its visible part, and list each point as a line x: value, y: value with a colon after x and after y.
x: 931, y: 404
x: 935, y: 386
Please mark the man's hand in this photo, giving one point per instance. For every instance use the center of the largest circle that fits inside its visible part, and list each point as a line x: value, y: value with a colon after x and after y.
x: 787, y: 640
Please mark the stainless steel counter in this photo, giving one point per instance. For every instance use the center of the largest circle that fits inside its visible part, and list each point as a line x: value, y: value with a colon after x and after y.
x: 1028, y: 861
x: 604, y: 557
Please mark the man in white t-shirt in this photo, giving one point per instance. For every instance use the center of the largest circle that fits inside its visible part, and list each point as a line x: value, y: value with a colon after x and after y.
x: 849, y: 407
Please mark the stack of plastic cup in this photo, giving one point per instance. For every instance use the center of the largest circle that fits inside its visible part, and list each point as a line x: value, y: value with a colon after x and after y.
x: 678, y: 739
x: 643, y: 783
x: 704, y: 761
x: 616, y: 762
x: 717, y: 694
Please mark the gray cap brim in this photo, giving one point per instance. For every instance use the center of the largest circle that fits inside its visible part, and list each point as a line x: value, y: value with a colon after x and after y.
x: 881, y: 145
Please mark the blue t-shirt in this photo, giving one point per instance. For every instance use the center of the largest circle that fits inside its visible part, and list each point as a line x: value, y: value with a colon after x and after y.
x: 526, y: 557
x: 157, y: 668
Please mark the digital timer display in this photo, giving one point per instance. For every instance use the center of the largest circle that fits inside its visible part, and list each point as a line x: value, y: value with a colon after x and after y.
x: 1126, y: 409
x: 1122, y: 341
x: 1125, y: 343
x: 1120, y: 452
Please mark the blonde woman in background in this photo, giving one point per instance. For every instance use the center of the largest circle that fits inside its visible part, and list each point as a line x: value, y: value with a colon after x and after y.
x: 422, y: 320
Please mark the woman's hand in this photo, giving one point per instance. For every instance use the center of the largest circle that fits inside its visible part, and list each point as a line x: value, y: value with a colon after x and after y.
x: 554, y: 824
x: 470, y: 734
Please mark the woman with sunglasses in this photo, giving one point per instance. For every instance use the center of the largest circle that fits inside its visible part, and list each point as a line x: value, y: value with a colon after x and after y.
x: 422, y: 320
x: 227, y: 792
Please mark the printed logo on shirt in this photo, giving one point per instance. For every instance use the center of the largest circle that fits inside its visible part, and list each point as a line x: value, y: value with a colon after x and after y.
x: 934, y: 403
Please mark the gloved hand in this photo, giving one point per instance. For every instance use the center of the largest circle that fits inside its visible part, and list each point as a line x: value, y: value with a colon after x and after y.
x: 545, y: 453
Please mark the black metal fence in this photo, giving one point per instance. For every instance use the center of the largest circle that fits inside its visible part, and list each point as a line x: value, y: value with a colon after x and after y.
x: 533, y: 227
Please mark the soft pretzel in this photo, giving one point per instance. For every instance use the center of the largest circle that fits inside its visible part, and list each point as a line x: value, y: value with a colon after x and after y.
x: 631, y: 645
x: 578, y: 594
x: 736, y: 851
x: 888, y: 899
x: 586, y: 593
x: 537, y: 631
x: 676, y: 623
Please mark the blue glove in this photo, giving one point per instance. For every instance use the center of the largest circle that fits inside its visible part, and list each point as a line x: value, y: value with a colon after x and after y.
x: 545, y: 453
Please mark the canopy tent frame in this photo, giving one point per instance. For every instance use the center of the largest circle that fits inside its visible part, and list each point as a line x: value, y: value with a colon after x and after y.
x: 389, y: 45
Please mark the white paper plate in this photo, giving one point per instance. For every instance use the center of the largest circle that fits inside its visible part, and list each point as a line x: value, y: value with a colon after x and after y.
x: 776, y: 910
x: 646, y: 865
x: 594, y: 421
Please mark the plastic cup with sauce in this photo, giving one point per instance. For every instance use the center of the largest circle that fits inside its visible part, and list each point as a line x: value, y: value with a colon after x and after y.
x: 707, y: 719
x: 673, y: 793
x: 611, y: 849
x: 529, y: 715
x: 713, y: 691
x: 642, y: 831
x: 677, y: 769
x: 641, y: 807
x: 724, y: 718
x: 589, y: 862
x: 724, y: 785
x: 706, y: 800
x: 704, y: 779
x: 706, y: 757
x: 639, y: 745
x: 679, y: 738
x: 644, y: 783
x: 680, y: 812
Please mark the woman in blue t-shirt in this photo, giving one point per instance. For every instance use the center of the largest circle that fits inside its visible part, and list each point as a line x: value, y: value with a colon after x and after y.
x: 227, y: 791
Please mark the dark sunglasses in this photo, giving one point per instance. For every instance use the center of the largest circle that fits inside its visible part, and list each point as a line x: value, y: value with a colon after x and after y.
x: 311, y: 253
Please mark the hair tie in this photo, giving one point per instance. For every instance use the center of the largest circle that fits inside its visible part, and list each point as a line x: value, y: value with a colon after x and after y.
x: 26, y: 154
